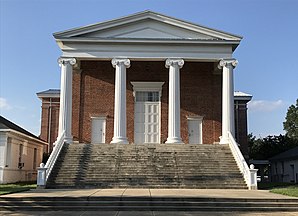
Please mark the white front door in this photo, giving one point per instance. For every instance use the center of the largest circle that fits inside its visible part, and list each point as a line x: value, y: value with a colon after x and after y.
x: 195, y: 130
x: 147, y: 117
x: 98, y: 130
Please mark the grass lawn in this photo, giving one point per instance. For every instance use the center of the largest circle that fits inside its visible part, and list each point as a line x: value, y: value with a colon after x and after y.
x: 272, y: 185
x: 17, y: 187
x: 288, y: 189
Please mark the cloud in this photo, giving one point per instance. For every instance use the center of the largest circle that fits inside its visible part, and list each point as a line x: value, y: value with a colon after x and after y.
x: 4, y: 105
x: 265, y: 106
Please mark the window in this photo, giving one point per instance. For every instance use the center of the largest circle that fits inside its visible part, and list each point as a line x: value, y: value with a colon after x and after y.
x: 34, y: 158
x: 8, y: 153
x: 145, y: 96
x: 21, y: 164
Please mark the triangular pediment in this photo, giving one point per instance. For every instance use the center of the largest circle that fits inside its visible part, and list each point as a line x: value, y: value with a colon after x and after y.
x: 146, y: 32
x: 147, y: 25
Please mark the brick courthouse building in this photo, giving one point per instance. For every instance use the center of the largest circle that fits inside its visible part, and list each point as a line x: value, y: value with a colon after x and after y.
x: 169, y: 78
x: 146, y: 78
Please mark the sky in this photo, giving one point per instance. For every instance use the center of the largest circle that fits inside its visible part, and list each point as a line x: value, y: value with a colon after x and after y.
x: 267, y: 54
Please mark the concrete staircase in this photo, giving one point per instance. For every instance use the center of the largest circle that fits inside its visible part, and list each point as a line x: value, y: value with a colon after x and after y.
x: 146, y: 166
x: 82, y: 203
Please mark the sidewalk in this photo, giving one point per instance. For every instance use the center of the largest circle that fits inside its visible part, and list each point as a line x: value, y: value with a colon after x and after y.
x: 123, y: 192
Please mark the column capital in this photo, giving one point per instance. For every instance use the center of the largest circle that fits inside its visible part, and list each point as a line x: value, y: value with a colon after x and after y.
x: 66, y: 60
x: 225, y: 62
x: 173, y: 62
x: 118, y: 61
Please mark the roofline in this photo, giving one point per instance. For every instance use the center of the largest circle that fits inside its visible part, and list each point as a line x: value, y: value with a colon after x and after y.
x: 242, y: 98
x: 45, y: 95
x: 125, y: 19
x: 48, y: 94
x: 284, y: 158
x: 25, y: 135
x: 19, y: 128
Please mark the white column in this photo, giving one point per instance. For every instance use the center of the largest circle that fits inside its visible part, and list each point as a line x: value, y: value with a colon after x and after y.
x: 174, y: 66
x: 120, y: 101
x: 228, y: 123
x: 65, y: 112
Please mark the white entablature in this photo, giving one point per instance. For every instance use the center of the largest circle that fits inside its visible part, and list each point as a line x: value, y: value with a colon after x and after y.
x: 147, y: 35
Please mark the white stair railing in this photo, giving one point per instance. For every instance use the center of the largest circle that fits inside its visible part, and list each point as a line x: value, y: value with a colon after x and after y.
x: 44, y: 171
x: 249, y: 173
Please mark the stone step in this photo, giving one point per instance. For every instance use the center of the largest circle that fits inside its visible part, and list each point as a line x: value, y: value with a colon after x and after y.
x: 123, y: 203
x: 202, y: 166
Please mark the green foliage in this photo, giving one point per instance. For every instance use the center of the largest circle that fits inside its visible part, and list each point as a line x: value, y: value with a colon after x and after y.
x: 264, y: 148
x: 291, y: 123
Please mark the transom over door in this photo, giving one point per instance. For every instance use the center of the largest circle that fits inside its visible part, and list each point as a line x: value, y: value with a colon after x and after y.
x: 147, y: 117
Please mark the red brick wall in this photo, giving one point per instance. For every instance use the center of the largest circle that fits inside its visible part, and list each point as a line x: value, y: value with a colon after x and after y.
x: 93, y: 95
x: 241, y: 126
x: 49, y: 118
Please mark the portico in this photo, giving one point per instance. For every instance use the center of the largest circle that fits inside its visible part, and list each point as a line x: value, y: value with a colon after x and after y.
x: 181, y: 65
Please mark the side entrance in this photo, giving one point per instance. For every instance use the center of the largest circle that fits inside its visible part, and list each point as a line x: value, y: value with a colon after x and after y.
x: 98, y: 130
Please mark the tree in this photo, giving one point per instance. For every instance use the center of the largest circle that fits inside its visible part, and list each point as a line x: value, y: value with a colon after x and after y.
x: 264, y: 148
x: 291, y: 123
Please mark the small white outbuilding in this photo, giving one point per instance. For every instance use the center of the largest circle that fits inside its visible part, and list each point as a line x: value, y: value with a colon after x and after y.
x: 20, y: 153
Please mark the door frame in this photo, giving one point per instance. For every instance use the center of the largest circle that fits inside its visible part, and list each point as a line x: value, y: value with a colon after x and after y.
x: 104, y: 118
x: 200, y: 128
x: 148, y: 87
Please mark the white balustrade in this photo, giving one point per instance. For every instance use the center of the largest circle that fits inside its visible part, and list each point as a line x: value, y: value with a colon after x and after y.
x: 249, y: 174
x: 44, y: 171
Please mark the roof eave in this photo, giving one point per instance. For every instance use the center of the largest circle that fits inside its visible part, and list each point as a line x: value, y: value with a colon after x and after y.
x: 35, y: 138
x: 234, y: 43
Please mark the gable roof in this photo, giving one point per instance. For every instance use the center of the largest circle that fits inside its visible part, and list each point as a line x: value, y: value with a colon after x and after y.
x: 6, y: 124
x: 147, y: 15
x: 147, y: 26
x: 289, y: 154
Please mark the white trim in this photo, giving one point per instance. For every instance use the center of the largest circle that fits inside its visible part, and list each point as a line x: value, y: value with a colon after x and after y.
x: 45, y: 95
x: 24, y: 135
x: 195, y: 118
x: 99, y: 117
x: 149, y: 86
x: 146, y: 50
x: 114, y: 23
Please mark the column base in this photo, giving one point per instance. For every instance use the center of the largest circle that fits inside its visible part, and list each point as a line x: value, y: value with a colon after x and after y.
x: 224, y: 140
x: 68, y: 140
x: 174, y: 140
x: 119, y: 140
